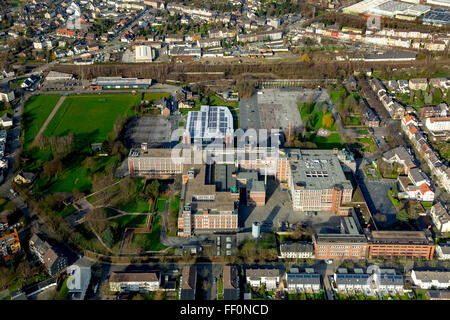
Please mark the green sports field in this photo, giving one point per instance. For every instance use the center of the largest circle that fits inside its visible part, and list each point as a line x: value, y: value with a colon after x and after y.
x: 90, y: 117
x: 37, y: 110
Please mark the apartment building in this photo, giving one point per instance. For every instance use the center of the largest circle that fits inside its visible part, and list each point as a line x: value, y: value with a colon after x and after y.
x: 401, y: 156
x: 255, y: 189
x: 437, y: 124
x: 134, y: 281
x: 339, y: 246
x: 9, y: 245
x: 443, y: 251
x: 52, y: 257
x: 317, y: 182
x: 418, y: 84
x: 410, y: 244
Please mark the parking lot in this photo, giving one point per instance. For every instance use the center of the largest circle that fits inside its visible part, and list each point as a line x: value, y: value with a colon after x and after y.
x: 155, y: 131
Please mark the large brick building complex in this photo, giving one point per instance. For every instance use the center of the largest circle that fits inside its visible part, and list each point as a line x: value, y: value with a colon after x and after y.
x: 410, y: 244
x: 317, y: 182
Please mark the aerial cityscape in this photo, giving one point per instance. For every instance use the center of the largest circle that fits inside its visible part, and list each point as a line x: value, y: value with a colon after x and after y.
x: 224, y: 150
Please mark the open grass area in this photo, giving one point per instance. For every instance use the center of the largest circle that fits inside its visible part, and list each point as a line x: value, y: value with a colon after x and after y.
x: 89, y: 117
x: 130, y: 221
x: 395, y: 201
x: 155, y: 96
x: 150, y: 241
x: 36, y: 111
x: 161, y: 205
x: 308, y: 112
x: 367, y: 144
x: 67, y: 211
x: 354, y: 120
x: 333, y: 141
x: 137, y: 206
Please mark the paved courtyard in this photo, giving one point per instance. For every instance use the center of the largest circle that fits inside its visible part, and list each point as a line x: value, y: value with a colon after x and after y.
x: 156, y: 131
x: 278, y: 208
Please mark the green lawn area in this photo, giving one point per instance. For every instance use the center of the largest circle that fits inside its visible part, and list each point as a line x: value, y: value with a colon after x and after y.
x: 337, y: 94
x: 150, y: 241
x: 355, y: 120
x: 181, y: 124
x: 135, y: 205
x: 155, y: 96
x: 333, y: 141
x: 363, y: 131
x: 427, y: 204
x: 161, y: 205
x: 67, y: 211
x: 307, y: 111
x: 130, y: 221
x: 215, y: 100
x: 61, y: 294
x: 89, y: 117
x: 395, y: 202
x: 367, y: 144
x: 36, y: 111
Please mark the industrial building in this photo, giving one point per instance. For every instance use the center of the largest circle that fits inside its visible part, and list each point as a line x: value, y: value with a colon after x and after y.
x: 410, y: 244
x: 317, y: 181
x: 204, y: 207
x: 144, y: 54
x: 209, y: 124
x: 120, y: 83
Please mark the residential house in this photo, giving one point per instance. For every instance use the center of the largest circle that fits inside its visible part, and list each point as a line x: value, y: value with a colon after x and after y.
x: 164, y: 105
x: 418, y: 84
x: 299, y: 282
x: 80, y: 277
x: 400, y: 156
x: 296, y: 250
x: 6, y: 94
x: 9, y: 245
x: 441, y: 110
x: 230, y: 283
x: 188, y: 283
x: 24, y: 177
x: 441, y: 217
x: 443, y: 251
x: 134, y: 281
x: 431, y: 279
x: 52, y: 257
x: 262, y: 276
x: 6, y: 120
x: 352, y: 281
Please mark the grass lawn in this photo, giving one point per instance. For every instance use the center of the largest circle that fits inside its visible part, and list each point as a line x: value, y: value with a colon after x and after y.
x: 363, y: 131
x: 337, y: 94
x: 36, y: 111
x: 333, y: 141
x: 89, y: 117
x: 130, y: 221
x: 155, y: 96
x: 215, y: 100
x: 61, y: 294
x: 161, y: 205
x: 134, y: 206
x: 150, y: 241
x: 367, y: 144
x: 395, y: 202
x: 427, y: 204
x: 67, y: 211
x: 305, y: 113
x: 355, y: 120
x: 181, y: 124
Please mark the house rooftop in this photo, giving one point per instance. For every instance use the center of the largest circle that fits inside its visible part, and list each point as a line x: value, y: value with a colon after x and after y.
x: 133, y: 277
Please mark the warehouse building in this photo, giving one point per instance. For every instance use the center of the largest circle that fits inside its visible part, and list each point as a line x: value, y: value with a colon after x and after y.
x: 144, y: 54
x: 120, y: 83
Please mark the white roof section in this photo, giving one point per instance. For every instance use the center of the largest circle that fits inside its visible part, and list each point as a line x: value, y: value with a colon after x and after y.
x: 210, y: 123
x: 387, y: 8
x: 54, y: 75
x: 144, y: 53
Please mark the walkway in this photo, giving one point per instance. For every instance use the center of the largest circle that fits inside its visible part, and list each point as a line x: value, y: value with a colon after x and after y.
x: 50, y: 117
